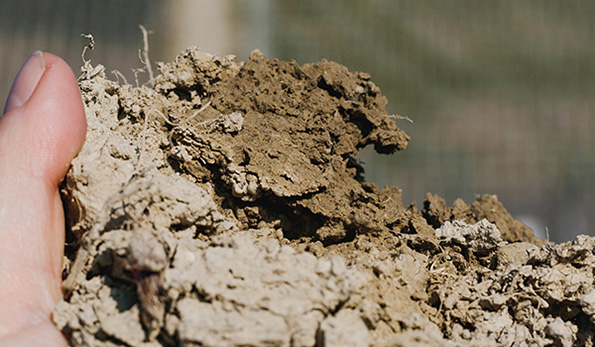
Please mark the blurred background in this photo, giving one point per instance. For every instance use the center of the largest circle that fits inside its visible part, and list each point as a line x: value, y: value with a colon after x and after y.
x: 502, y: 93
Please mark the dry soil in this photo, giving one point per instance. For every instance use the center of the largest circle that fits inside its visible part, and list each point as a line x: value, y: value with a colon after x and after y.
x: 221, y: 204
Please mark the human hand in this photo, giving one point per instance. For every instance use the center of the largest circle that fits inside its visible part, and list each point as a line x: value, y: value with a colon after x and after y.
x: 42, y: 129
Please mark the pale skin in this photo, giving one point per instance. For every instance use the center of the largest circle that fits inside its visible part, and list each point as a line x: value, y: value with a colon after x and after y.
x: 42, y: 129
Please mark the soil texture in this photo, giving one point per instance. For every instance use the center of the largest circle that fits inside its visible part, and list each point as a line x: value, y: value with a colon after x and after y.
x: 222, y: 205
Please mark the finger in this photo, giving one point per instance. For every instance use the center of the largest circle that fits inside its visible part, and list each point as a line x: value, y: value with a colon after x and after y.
x: 43, y: 129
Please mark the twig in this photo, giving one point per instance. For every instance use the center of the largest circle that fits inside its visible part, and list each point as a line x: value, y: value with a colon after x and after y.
x: 90, y: 46
x: 119, y: 75
x: 87, y: 67
x: 163, y: 117
x: 144, y: 55
x: 196, y: 113
x: 396, y: 116
x: 183, y: 121
x: 136, y: 72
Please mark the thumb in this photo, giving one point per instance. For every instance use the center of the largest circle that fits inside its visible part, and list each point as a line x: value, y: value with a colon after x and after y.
x: 44, y: 125
x: 41, y: 131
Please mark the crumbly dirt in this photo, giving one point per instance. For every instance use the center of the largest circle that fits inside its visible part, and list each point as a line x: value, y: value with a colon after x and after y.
x: 223, y: 205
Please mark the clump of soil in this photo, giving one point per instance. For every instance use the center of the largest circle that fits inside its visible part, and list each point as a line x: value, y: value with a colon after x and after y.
x: 224, y: 206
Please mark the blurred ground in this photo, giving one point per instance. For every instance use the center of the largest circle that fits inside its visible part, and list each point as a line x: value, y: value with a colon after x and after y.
x: 501, y: 93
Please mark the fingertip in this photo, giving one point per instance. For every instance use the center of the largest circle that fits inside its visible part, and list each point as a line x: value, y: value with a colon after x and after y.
x: 52, y: 125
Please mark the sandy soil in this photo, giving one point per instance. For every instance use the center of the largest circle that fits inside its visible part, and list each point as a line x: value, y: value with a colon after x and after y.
x: 222, y: 205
